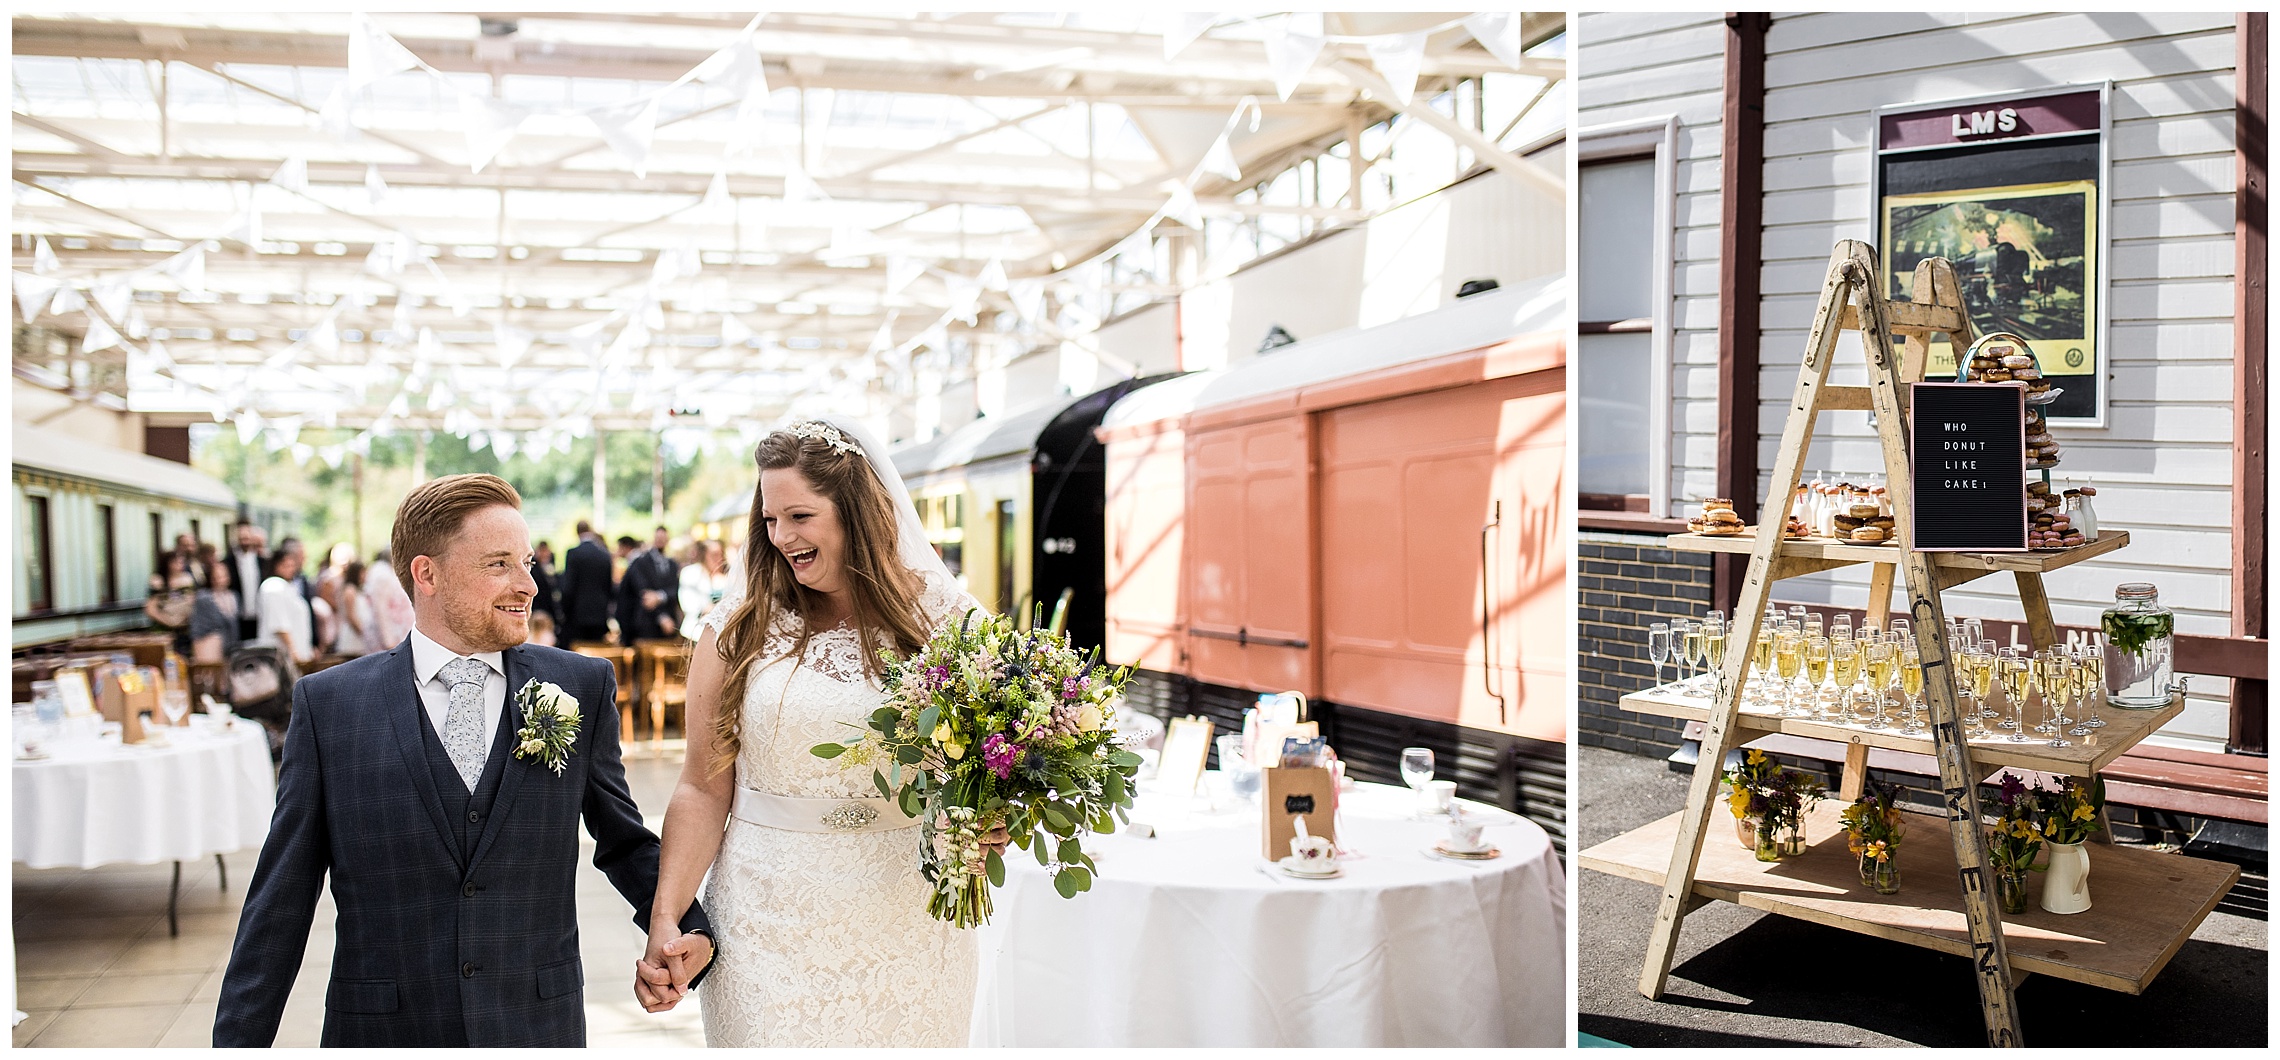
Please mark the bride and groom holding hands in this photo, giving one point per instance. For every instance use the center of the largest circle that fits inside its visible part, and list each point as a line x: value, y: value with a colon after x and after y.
x: 441, y: 786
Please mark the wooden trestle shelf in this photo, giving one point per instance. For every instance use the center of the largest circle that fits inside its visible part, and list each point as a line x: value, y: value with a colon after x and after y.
x: 2145, y: 903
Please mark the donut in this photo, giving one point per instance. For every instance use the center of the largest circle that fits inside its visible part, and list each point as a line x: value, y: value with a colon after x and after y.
x: 1869, y: 534
x: 2018, y: 360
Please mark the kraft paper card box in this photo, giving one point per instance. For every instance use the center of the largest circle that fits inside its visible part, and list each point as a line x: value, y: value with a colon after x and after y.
x: 1269, y: 747
x: 126, y: 696
x: 1289, y: 793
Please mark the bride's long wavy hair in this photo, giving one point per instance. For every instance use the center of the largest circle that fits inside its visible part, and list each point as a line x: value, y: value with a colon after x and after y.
x: 884, y: 593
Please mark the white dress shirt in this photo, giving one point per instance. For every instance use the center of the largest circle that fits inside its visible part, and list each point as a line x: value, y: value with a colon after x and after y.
x: 281, y: 609
x: 428, y: 661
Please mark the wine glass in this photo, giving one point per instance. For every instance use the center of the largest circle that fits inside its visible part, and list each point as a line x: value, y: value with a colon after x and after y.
x: 1658, y: 647
x: 1986, y: 651
x: 1788, y: 660
x: 1876, y: 658
x: 1827, y: 658
x: 1683, y: 638
x: 1416, y: 771
x: 2093, y: 660
x: 1761, y: 660
x: 1714, y: 651
x: 1845, y: 669
x: 1912, y: 688
x: 2057, y: 682
x: 2017, y: 679
x: 176, y: 703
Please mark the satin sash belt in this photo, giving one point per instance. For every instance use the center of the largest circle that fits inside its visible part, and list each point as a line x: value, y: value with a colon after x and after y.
x: 819, y: 815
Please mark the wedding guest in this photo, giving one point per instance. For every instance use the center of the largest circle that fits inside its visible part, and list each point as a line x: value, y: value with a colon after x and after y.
x: 648, y: 598
x: 187, y: 547
x: 171, y: 591
x: 301, y: 582
x: 285, y: 619
x: 549, y: 599
x: 541, y: 628
x: 359, y: 631
x: 213, y: 616
x: 703, y: 583
x: 249, y: 566
x: 391, y: 607
x: 587, y: 589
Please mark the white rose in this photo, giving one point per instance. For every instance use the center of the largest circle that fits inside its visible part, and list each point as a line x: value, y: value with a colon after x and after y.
x: 1088, y: 718
x: 553, y: 699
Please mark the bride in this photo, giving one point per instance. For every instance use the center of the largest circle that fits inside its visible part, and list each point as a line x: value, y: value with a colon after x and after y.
x: 815, y: 895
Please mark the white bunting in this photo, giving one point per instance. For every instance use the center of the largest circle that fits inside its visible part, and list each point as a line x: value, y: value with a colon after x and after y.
x: 1220, y: 160
x: 965, y: 300
x: 1029, y: 299
x: 586, y: 338
x: 504, y: 445
x: 884, y: 340
x: 1183, y: 208
x: 325, y: 337
x: 99, y: 336
x: 1499, y: 32
x: 138, y: 328
x: 901, y: 272
x: 188, y: 268
x: 630, y: 130
x: 333, y: 454
x: 1398, y: 58
x: 490, y: 123
x: 113, y: 296
x: 430, y: 349
x: 799, y: 187
x: 1186, y: 26
x: 733, y: 332
x: 248, y: 426
x: 375, y: 189
x: 334, y: 117
x: 511, y: 343
x: 993, y: 275
x: 718, y: 205
x: 372, y: 53
x: 1292, y: 46
x: 302, y: 453
x: 292, y: 175
x: 34, y: 294
x: 43, y: 258
x: 246, y: 227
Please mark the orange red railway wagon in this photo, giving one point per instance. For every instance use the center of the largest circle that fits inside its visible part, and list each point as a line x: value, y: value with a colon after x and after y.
x: 1371, y: 518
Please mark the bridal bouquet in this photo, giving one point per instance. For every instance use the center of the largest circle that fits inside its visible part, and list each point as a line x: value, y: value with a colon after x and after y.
x: 987, y: 727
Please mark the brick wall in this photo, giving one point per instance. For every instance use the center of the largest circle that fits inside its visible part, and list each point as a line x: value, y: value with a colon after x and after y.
x: 1625, y: 582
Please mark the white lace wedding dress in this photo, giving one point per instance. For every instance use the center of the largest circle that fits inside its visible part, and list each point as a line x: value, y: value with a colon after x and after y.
x: 824, y: 937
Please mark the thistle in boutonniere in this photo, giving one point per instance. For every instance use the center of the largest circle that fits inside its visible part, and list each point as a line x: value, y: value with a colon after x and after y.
x: 550, y: 724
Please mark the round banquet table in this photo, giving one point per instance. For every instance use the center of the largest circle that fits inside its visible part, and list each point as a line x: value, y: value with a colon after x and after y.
x: 99, y: 802
x: 1190, y: 938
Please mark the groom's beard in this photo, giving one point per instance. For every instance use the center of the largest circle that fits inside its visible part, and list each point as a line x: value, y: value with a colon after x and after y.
x: 483, y: 627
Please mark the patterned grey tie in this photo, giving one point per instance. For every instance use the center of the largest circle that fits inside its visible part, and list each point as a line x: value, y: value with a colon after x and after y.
x: 463, y: 724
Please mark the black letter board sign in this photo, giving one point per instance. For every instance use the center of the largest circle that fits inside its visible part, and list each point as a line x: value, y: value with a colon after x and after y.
x: 1971, y: 445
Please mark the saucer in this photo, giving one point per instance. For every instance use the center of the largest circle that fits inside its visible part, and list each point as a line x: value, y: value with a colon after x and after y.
x: 1483, y: 854
x: 1290, y: 867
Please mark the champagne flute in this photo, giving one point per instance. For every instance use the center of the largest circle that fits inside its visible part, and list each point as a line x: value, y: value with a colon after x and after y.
x: 2093, y: 658
x: 1687, y: 640
x: 1966, y: 681
x: 1658, y: 647
x: 1714, y: 622
x: 1982, y: 687
x: 2057, y: 686
x: 1788, y: 659
x: 1986, y: 649
x: 2017, y: 677
x: 1761, y: 660
x: 1876, y: 657
x: 2078, y: 679
x: 1714, y: 651
x: 1912, y: 686
x: 1844, y: 666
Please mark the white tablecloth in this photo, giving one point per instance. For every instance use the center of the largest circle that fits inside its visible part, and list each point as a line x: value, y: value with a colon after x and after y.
x: 100, y: 803
x: 1183, y: 941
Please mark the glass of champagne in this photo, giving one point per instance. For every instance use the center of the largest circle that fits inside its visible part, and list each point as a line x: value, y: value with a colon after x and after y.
x: 1876, y: 658
x: 1788, y: 659
x: 2058, y: 686
x: 1416, y: 770
x: 2017, y: 678
x: 1658, y: 647
x: 1685, y: 640
x: 1986, y: 650
x: 1714, y: 621
x: 1844, y: 668
x: 2078, y: 681
x: 1761, y: 660
x: 1714, y: 652
x: 2093, y: 659
x: 1966, y: 682
x: 1912, y: 689
x: 1973, y: 631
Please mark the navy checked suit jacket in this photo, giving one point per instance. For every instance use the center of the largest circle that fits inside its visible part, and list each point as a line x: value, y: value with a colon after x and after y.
x: 431, y: 951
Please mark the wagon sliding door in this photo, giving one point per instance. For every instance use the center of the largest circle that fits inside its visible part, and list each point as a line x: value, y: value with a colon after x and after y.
x: 1249, y: 571
x: 1414, y: 490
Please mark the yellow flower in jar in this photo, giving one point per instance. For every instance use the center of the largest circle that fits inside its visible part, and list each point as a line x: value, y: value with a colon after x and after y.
x: 2083, y: 812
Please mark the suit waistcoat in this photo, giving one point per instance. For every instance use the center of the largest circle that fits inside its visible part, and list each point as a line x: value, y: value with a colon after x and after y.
x: 467, y: 810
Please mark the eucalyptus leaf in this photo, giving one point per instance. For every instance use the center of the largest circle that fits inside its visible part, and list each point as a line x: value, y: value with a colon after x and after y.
x: 1069, y: 850
x: 881, y: 781
x: 997, y: 869
x: 1083, y: 878
x: 1038, y: 848
x: 1065, y: 881
x: 828, y: 750
x: 927, y: 720
x: 909, y: 755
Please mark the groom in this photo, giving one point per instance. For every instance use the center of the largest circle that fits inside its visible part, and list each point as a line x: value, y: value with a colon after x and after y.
x: 452, y: 843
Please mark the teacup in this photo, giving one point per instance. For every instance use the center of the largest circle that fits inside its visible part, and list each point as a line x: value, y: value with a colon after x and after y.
x: 1465, y: 833
x: 1313, y: 851
x: 1436, y: 796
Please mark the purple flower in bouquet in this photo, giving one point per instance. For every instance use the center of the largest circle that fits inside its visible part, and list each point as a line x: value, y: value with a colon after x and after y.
x: 2012, y: 788
x: 999, y: 754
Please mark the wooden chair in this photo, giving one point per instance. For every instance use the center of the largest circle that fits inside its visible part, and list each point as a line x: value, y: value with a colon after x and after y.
x: 622, y: 659
x: 209, y: 679
x: 665, y: 665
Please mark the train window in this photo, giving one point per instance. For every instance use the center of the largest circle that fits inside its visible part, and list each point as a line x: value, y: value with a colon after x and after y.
x: 107, y: 552
x: 1623, y: 356
x: 157, y: 542
x: 1005, y: 534
x: 39, y: 561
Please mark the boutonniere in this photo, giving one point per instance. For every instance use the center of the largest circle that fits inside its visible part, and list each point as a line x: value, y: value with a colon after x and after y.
x: 550, y: 724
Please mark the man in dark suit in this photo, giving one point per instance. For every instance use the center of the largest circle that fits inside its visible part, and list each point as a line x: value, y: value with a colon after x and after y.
x: 249, y: 567
x: 549, y: 599
x: 649, y: 597
x: 452, y: 844
x: 588, y: 592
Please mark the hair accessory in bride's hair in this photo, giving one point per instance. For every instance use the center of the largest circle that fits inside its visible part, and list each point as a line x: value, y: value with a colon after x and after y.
x: 817, y: 430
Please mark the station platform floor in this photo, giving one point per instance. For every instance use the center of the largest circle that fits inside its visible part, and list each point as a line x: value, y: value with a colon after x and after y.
x: 95, y: 966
